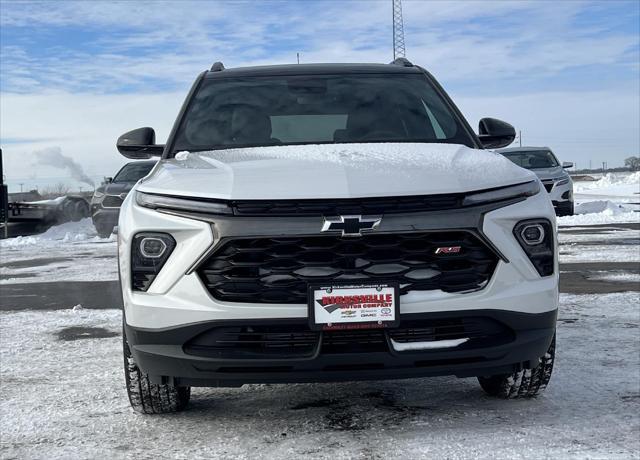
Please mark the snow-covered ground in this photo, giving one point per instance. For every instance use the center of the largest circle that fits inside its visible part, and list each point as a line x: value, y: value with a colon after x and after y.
x: 72, y: 251
x: 66, y: 399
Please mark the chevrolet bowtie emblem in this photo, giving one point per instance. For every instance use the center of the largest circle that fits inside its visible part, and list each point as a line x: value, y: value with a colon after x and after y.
x: 351, y: 225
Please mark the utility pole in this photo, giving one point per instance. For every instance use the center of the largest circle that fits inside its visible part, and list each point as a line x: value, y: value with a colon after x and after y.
x: 298, y: 57
x: 21, y: 184
x: 398, y: 30
x: 520, y: 137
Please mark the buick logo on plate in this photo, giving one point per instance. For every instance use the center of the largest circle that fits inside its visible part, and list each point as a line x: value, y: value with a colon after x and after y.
x: 351, y: 225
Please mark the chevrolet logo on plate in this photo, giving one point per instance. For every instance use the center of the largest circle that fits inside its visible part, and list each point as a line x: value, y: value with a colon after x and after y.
x: 351, y: 225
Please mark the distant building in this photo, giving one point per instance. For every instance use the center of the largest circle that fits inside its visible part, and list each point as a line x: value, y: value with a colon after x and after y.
x: 31, y: 195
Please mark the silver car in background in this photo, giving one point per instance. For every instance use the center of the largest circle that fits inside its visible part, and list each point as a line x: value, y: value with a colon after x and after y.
x: 551, y: 172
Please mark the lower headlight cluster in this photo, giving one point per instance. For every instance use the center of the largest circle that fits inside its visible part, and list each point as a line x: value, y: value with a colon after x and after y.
x: 536, y: 238
x: 149, y: 252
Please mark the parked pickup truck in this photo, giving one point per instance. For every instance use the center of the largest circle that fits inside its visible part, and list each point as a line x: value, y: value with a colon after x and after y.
x: 49, y: 212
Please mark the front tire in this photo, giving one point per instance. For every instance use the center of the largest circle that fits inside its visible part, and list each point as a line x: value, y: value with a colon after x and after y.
x: 151, y: 398
x: 525, y: 383
x: 104, y: 231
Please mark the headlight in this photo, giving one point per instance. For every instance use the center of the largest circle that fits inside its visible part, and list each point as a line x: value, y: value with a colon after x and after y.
x: 562, y: 181
x: 505, y: 193
x: 97, y: 195
x: 148, y: 200
x: 536, y: 238
x: 149, y: 252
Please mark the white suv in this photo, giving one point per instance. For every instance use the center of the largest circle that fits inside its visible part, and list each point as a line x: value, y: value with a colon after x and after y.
x: 332, y: 222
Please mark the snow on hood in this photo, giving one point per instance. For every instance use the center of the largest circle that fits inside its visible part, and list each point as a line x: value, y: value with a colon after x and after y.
x: 333, y: 171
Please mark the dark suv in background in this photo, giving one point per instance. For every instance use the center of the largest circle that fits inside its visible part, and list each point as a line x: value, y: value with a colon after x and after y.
x: 107, y: 199
x: 551, y: 172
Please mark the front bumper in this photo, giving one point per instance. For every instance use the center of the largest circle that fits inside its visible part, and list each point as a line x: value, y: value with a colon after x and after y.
x: 562, y: 198
x: 518, y: 341
x: 104, y: 217
x: 178, y: 296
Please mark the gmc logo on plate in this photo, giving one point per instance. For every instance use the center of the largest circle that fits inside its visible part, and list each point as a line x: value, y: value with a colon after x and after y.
x: 449, y: 250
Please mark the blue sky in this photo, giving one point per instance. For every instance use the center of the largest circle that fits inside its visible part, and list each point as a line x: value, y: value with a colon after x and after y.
x: 77, y: 74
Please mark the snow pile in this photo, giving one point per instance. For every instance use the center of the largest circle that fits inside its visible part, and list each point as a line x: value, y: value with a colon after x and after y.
x: 610, y: 199
x: 607, y: 207
x: 69, y: 232
x: 611, y: 184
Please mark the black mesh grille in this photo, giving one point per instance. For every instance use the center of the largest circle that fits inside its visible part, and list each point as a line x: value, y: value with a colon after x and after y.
x: 297, y: 340
x: 548, y: 185
x: 336, y: 207
x: 111, y: 201
x: 279, y: 270
x: 354, y: 341
x: 229, y: 342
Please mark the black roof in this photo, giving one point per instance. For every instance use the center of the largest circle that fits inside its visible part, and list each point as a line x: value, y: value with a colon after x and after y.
x: 311, y: 69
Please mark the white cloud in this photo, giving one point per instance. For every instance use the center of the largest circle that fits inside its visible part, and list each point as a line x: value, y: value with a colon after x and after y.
x: 170, y: 42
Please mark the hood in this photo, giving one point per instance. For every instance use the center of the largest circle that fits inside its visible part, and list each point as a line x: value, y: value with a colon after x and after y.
x: 549, y: 173
x: 116, y: 188
x: 332, y: 171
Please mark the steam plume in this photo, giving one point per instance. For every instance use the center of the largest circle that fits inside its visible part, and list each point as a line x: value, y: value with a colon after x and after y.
x: 52, y: 156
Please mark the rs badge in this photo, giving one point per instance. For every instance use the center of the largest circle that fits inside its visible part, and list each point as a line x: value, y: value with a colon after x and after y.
x: 449, y: 250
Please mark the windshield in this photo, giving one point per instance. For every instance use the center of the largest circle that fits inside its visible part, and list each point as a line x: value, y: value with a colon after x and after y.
x: 535, y: 159
x: 133, y: 172
x: 284, y: 110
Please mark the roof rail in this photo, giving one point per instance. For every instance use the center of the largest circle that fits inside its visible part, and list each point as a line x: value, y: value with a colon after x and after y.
x: 217, y: 66
x: 404, y: 62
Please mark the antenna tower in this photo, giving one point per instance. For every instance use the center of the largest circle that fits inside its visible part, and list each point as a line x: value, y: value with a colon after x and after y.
x: 398, y: 30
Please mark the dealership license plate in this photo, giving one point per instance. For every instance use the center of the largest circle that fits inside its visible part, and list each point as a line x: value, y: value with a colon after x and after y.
x: 354, y: 306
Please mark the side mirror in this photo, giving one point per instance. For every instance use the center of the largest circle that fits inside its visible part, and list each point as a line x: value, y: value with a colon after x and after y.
x: 108, y: 180
x: 495, y: 134
x: 139, y: 144
x: 567, y: 164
